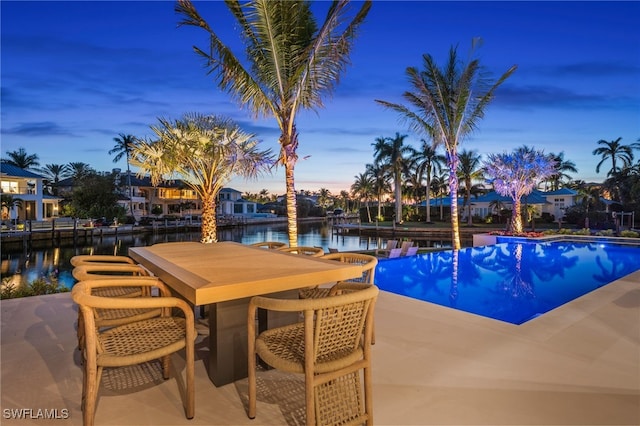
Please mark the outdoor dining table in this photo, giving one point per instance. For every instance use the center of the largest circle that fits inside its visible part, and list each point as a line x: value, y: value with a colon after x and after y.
x: 226, y: 275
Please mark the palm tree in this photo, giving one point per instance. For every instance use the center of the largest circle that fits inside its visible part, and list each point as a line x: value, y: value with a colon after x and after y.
x: 447, y: 105
x: 469, y: 170
x: 345, y: 199
x: 562, y: 167
x: 391, y: 153
x: 381, y: 185
x: 428, y: 161
x: 516, y: 175
x: 122, y: 148
x: 362, y: 189
x: 440, y: 186
x: 617, y: 152
x: 324, y: 197
x: 206, y: 152
x: 8, y: 202
x: 291, y: 63
x: 21, y: 159
x: 54, y: 173
x: 79, y: 170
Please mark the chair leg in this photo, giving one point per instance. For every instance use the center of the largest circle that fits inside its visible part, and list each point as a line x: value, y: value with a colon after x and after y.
x: 166, y: 366
x: 191, y: 392
x: 251, y: 374
x: 368, y: 397
x: 91, y: 396
x: 309, y: 390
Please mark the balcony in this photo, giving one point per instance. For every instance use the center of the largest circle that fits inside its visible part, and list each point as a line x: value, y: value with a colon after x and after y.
x: 578, y: 364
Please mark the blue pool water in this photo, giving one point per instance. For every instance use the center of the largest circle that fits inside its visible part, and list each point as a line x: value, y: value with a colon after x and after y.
x: 512, y: 282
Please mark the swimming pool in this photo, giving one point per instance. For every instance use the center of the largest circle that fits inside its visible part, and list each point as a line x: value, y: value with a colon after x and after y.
x: 512, y: 282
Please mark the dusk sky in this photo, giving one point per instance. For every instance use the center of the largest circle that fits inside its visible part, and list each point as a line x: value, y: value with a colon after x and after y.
x: 76, y: 74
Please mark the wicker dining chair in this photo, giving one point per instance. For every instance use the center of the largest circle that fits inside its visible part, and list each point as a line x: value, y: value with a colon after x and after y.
x: 136, y: 342
x: 303, y: 250
x: 269, y: 244
x: 330, y: 347
x: 111, y: 271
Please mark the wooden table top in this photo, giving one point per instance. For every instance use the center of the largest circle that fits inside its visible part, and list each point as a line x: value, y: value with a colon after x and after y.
x: 211, y: 273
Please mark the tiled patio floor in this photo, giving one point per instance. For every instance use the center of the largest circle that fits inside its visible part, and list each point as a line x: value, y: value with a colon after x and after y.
x: 578, y: 365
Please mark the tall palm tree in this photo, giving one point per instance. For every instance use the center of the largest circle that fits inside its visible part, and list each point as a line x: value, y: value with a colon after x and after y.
x: 124, y: 145
x: 393, y: 154
x: 21, y: 159
x: 380, y: 179
x: 291, y: 63
x: 447, y: 105
x: 562, y: 167
x: 617, y: 153
x: 362, y: 189
x: 54, y: 173
x: 206, y: 152
x: 428, y: 162
x: 469, y: 169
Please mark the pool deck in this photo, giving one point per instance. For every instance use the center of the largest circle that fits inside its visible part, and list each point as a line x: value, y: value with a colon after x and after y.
x: 576, y: 365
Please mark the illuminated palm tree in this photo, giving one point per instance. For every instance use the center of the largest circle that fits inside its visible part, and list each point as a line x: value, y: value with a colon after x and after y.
x: 516, y: 175
x: 392, y: 154
x: 204, y: 151
x: 290, y: 64
x: 122, y: 148
x: 617, y: 153
x: 447, y: 105
x: 21, y: 159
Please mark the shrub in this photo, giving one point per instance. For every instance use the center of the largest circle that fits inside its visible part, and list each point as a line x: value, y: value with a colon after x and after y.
x: 37, y: 287
x: 630, y: 234
x: 583, y: 231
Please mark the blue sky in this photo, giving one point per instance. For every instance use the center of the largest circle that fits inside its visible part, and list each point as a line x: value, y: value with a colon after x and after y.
x: 76, y: 74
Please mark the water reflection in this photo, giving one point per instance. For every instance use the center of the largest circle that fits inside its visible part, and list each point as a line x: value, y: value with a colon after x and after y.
x: 39, y: 259
x: 511, y: 282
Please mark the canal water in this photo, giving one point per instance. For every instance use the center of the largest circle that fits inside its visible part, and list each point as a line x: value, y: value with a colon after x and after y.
x: 24, y: 264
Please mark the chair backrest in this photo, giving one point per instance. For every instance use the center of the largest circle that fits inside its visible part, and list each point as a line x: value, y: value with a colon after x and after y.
x: 368, y: 263
x: 391, y: 244
x: 98, y: 271
x: 412, y: 251
x: 303, y: 250
x: 83, y: 259
x: 269, y: 244
x: 338, y: 323
x: 405, y: 246
x: 396, y: 252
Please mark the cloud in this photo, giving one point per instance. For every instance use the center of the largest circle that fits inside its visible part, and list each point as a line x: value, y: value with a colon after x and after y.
x: 37, y: 129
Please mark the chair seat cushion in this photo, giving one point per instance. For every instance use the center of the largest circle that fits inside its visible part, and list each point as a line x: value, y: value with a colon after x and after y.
x: 140, y: 341
x: 283, y: 349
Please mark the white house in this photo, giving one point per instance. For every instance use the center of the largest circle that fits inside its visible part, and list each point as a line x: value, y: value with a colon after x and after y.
x: 29, y: 188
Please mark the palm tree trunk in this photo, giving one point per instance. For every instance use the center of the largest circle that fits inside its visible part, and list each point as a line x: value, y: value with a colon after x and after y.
x: 453, y: 195
x: 398, y: 195
x: 516, y: 217
x: 292, y: 213
x: 209, y: 224
x: 428, y: 197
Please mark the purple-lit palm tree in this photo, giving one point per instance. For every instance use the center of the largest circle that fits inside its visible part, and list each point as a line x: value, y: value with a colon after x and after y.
x: 516, y: 175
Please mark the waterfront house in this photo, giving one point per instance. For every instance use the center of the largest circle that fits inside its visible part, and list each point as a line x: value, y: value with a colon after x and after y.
x: 29, y: 188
